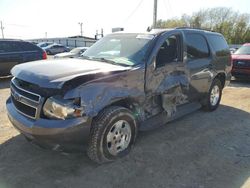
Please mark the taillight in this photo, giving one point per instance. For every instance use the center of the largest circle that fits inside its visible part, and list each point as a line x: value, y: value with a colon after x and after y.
x: 44, y: 55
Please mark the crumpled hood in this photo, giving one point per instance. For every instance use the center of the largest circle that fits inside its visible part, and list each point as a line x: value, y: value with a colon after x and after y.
x: 54, y: 73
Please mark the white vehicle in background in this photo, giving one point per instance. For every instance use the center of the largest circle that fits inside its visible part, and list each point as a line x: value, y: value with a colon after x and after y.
x: 75, y: 52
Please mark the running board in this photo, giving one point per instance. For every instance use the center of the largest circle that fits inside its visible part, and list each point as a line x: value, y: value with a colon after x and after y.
x: 161, y: 119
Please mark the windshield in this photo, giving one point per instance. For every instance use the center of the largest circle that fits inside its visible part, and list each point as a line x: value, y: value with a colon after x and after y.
x: 244, y: 50
x: 125, y: 49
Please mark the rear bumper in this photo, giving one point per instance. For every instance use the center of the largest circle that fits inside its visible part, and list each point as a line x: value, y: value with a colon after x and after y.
x: 68, y: 134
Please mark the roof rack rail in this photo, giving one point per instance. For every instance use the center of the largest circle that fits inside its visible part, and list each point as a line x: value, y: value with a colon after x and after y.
x: 185, y: 27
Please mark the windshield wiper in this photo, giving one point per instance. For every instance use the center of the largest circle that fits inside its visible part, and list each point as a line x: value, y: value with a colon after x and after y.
x: 102, y: 59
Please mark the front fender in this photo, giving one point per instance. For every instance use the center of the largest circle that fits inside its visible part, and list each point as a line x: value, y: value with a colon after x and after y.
x: 96, y: 96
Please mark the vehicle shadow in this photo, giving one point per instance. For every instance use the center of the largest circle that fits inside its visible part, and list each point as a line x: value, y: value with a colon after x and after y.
x: 199, y: 150
x: 5, y: 82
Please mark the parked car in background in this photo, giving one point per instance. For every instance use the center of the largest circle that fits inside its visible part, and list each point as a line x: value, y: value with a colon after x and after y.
x: 13, y: 52
x: 102, y: 99
x: 76, y: 52
x: 241, y: 62
x: 232, y: 50
x: 55, y: 49
x: 44, y: 44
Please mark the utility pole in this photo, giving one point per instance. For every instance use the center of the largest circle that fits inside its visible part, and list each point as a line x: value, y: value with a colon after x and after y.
x: 155, y: 14
x: 2, y: 29
x: 46, y: 34
x: 97, y: 35
x: 102, y: 32
x: 80, y: 23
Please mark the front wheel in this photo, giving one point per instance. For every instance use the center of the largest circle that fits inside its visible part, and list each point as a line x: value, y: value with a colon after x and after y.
x: 113, y: 133
x: 214, y: 96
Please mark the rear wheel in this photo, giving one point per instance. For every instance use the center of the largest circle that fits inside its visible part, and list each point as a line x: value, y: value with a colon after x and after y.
x: 214, y: 96
x: 113, y: 133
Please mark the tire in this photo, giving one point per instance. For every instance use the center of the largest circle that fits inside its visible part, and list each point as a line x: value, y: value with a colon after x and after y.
x: 112, y: 134
x: 214, y: 96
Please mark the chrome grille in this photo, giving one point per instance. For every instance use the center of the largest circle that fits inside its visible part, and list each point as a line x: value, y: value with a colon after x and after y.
x: 25, y: 102
x: 242, y: 63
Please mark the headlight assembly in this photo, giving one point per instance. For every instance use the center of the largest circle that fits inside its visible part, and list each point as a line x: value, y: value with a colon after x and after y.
x: 58, y: 108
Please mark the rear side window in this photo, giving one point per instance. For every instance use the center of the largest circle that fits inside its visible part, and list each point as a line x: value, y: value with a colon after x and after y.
x: 197, y: 47
x: 219, y: 44
x: 4, y: 46
x: 9, y: 46
x: 26, y: 46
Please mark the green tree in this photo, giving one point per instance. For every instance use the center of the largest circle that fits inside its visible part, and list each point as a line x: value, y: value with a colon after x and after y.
x: 233, y: 25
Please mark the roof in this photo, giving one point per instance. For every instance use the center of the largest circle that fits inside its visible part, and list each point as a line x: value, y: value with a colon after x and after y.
x: 159, y: 31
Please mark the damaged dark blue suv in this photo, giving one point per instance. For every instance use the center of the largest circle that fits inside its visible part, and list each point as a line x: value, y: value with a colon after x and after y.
x: 124, y: 83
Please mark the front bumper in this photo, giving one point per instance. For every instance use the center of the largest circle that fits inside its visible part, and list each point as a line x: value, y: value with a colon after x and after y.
x: 69, y: 134
x: 241, y: 72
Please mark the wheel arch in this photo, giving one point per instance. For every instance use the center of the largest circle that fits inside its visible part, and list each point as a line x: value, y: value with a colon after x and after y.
x: 222, y: 77
x: 128, y: 103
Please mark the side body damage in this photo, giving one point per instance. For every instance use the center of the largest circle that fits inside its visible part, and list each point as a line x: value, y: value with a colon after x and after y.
x: 172, y: 79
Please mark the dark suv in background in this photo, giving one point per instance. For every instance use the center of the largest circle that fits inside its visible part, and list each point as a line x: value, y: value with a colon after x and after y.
x: 125, y: 82
x: 13, y: 52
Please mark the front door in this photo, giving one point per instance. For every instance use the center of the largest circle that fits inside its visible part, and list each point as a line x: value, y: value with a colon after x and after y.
x: 166, y: 76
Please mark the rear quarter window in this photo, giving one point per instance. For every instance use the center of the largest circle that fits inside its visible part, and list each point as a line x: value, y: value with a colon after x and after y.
x: 219, y: 45
x: 26, y: 46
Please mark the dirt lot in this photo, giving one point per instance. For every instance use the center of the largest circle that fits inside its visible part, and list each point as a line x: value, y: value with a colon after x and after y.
x: 198, y: 151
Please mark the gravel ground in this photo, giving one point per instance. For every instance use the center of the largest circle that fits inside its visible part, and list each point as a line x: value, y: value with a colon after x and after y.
x: 197, y: 151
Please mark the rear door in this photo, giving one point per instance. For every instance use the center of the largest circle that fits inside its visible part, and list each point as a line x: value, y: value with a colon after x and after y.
x: 9, y: 56
x: 198, y: 61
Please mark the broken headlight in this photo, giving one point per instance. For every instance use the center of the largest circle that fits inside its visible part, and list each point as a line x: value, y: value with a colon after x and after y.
x: 58, y: 108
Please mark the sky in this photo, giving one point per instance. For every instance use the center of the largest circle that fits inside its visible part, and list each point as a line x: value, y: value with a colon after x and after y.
x: 29, y: 19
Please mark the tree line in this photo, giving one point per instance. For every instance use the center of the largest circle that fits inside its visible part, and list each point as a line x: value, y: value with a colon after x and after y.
x: 233, y: 25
